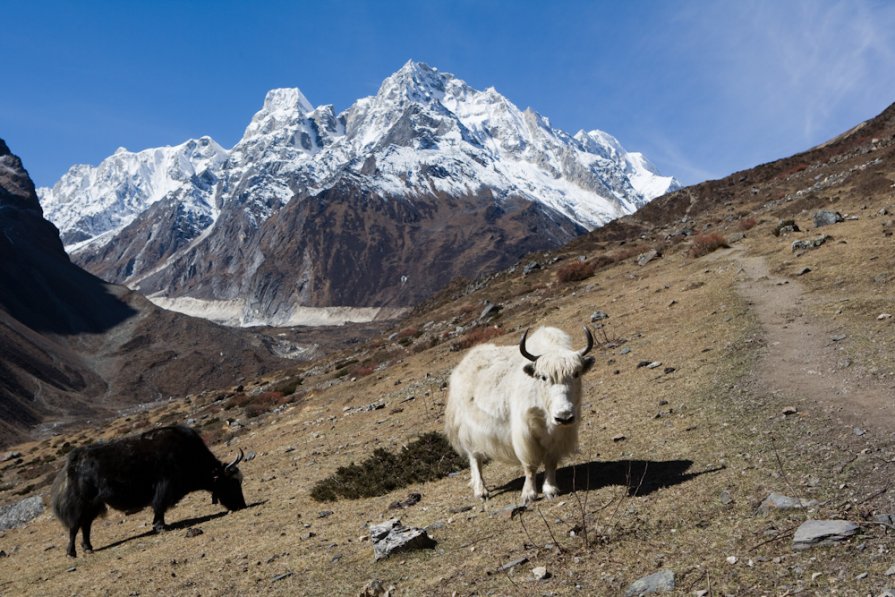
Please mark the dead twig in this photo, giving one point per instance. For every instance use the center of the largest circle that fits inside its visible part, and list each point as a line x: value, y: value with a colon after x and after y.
x: 778, y: 536
x: 780, y: 467
x: 550, y: 530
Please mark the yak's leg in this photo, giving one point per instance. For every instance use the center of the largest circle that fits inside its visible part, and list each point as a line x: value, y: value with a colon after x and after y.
x: 85, y: 535
x: 550, y: 488
x: 530, y: 489
x: 475, y: 477
x: 159, y: 506
x: 72, y: 533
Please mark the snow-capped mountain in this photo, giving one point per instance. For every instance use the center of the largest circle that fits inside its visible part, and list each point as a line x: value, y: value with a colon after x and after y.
x: 196, y: 220
x: 88, y: 202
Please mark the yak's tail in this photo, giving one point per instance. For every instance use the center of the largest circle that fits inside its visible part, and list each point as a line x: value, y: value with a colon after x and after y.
x: 68, y: 502
x: 63, y: 500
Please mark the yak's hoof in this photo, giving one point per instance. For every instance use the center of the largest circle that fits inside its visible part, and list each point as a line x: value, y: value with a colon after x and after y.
x: 160, y: 528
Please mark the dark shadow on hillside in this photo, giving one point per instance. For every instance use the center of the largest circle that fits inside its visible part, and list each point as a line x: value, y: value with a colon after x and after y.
x: 175, y: 526
x: 640, y: 477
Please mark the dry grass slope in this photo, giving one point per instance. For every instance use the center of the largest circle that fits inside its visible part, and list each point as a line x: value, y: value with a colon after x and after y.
x: 768, y: 380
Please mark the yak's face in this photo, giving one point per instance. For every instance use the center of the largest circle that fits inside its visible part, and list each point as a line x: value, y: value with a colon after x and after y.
x: 560, y: 380
x: 228, y: 489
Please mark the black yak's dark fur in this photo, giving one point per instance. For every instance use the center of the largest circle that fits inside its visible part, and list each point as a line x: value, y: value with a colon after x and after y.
x: 157, y: 468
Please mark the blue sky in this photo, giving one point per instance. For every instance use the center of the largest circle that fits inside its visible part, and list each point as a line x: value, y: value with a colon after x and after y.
x: 701, y: 88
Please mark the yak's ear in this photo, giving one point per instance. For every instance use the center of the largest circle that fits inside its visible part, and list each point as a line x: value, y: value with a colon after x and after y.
x: 588, y: 363
x: 529, y: 370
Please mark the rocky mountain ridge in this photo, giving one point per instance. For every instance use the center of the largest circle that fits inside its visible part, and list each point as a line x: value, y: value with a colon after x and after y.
x: 425, y: 141
x: 75, y: 348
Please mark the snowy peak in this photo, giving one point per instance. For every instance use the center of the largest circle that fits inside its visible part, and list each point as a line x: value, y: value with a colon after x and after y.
x: 414, y: 82
x: 89, y: 201
x: 282, y: 108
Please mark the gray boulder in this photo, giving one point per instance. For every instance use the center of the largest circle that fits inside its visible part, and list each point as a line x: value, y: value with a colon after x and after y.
x: 811, y: 243
x: 15, y: 515
x: 658, y: 582
x: 392, y: 536
x: 823, y: 532
x: 826, y: 218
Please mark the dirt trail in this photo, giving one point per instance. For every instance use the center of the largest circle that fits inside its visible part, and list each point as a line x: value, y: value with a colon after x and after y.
x: 803, y: 361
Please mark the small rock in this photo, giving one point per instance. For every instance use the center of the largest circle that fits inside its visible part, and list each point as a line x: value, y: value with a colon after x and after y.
x: 411, y: 500
x: 858, y: 431
x: 513, y: 564
x: 530, y: 267
x: 803, y: 271
x: 823, y: 532
x: 279, y: 577
x: 654, y: 365
x: 375, y: 588
x: 778, y: 501
x: 731, y: 560
x: 10, y: 456
x: 838, y: 337
x: 598, y: 316
x: 883, y: 316
x: 646, y: 257
x: 789, y: 410
x: 669, y: 370
x: 625, y: 350
x: 324, y: 513
x: 891, y: 570
x: 725, y: 497
x: 659, y: 582
x: 802, y: 245
x: 861, y: 576
x: 540, y: 573
x: 642, y: 364
x: 193, y: 532
x: 619, y: 437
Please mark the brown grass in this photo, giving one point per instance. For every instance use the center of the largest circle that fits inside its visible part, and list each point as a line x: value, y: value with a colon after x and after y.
x: 477, y: 335
x: 703, y: 244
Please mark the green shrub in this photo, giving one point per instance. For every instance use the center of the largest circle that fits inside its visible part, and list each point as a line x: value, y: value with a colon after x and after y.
x: 427, y: 458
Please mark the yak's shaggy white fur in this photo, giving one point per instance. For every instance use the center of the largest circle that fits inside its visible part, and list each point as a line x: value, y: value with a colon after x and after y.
x: 507, y: 404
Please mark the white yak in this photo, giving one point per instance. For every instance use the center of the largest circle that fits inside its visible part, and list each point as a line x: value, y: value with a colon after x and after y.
x: 519, y: 405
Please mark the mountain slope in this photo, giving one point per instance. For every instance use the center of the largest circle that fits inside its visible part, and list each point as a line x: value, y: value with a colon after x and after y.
x: 74, y: 347
x: 426, y: 137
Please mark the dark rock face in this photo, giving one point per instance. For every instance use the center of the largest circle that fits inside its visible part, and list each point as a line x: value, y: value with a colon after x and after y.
x: 72, y: 346
x: 345, y: 246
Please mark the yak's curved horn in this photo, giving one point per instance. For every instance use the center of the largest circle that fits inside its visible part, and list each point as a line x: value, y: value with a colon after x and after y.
x: 522, y: 349
x: 236, y: 461
x: 590, y: 342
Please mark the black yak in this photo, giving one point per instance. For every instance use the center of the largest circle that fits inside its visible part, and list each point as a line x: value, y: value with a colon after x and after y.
x: 157, y: 468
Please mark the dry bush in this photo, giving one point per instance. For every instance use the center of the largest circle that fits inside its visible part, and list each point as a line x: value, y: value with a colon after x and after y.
x: 703, y: 244
x: 576, y: 271
x: 363, y: 369
x: 581, y: 270
x: 747, y: 224
x: 475, y: 336
x: 427, y: 458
